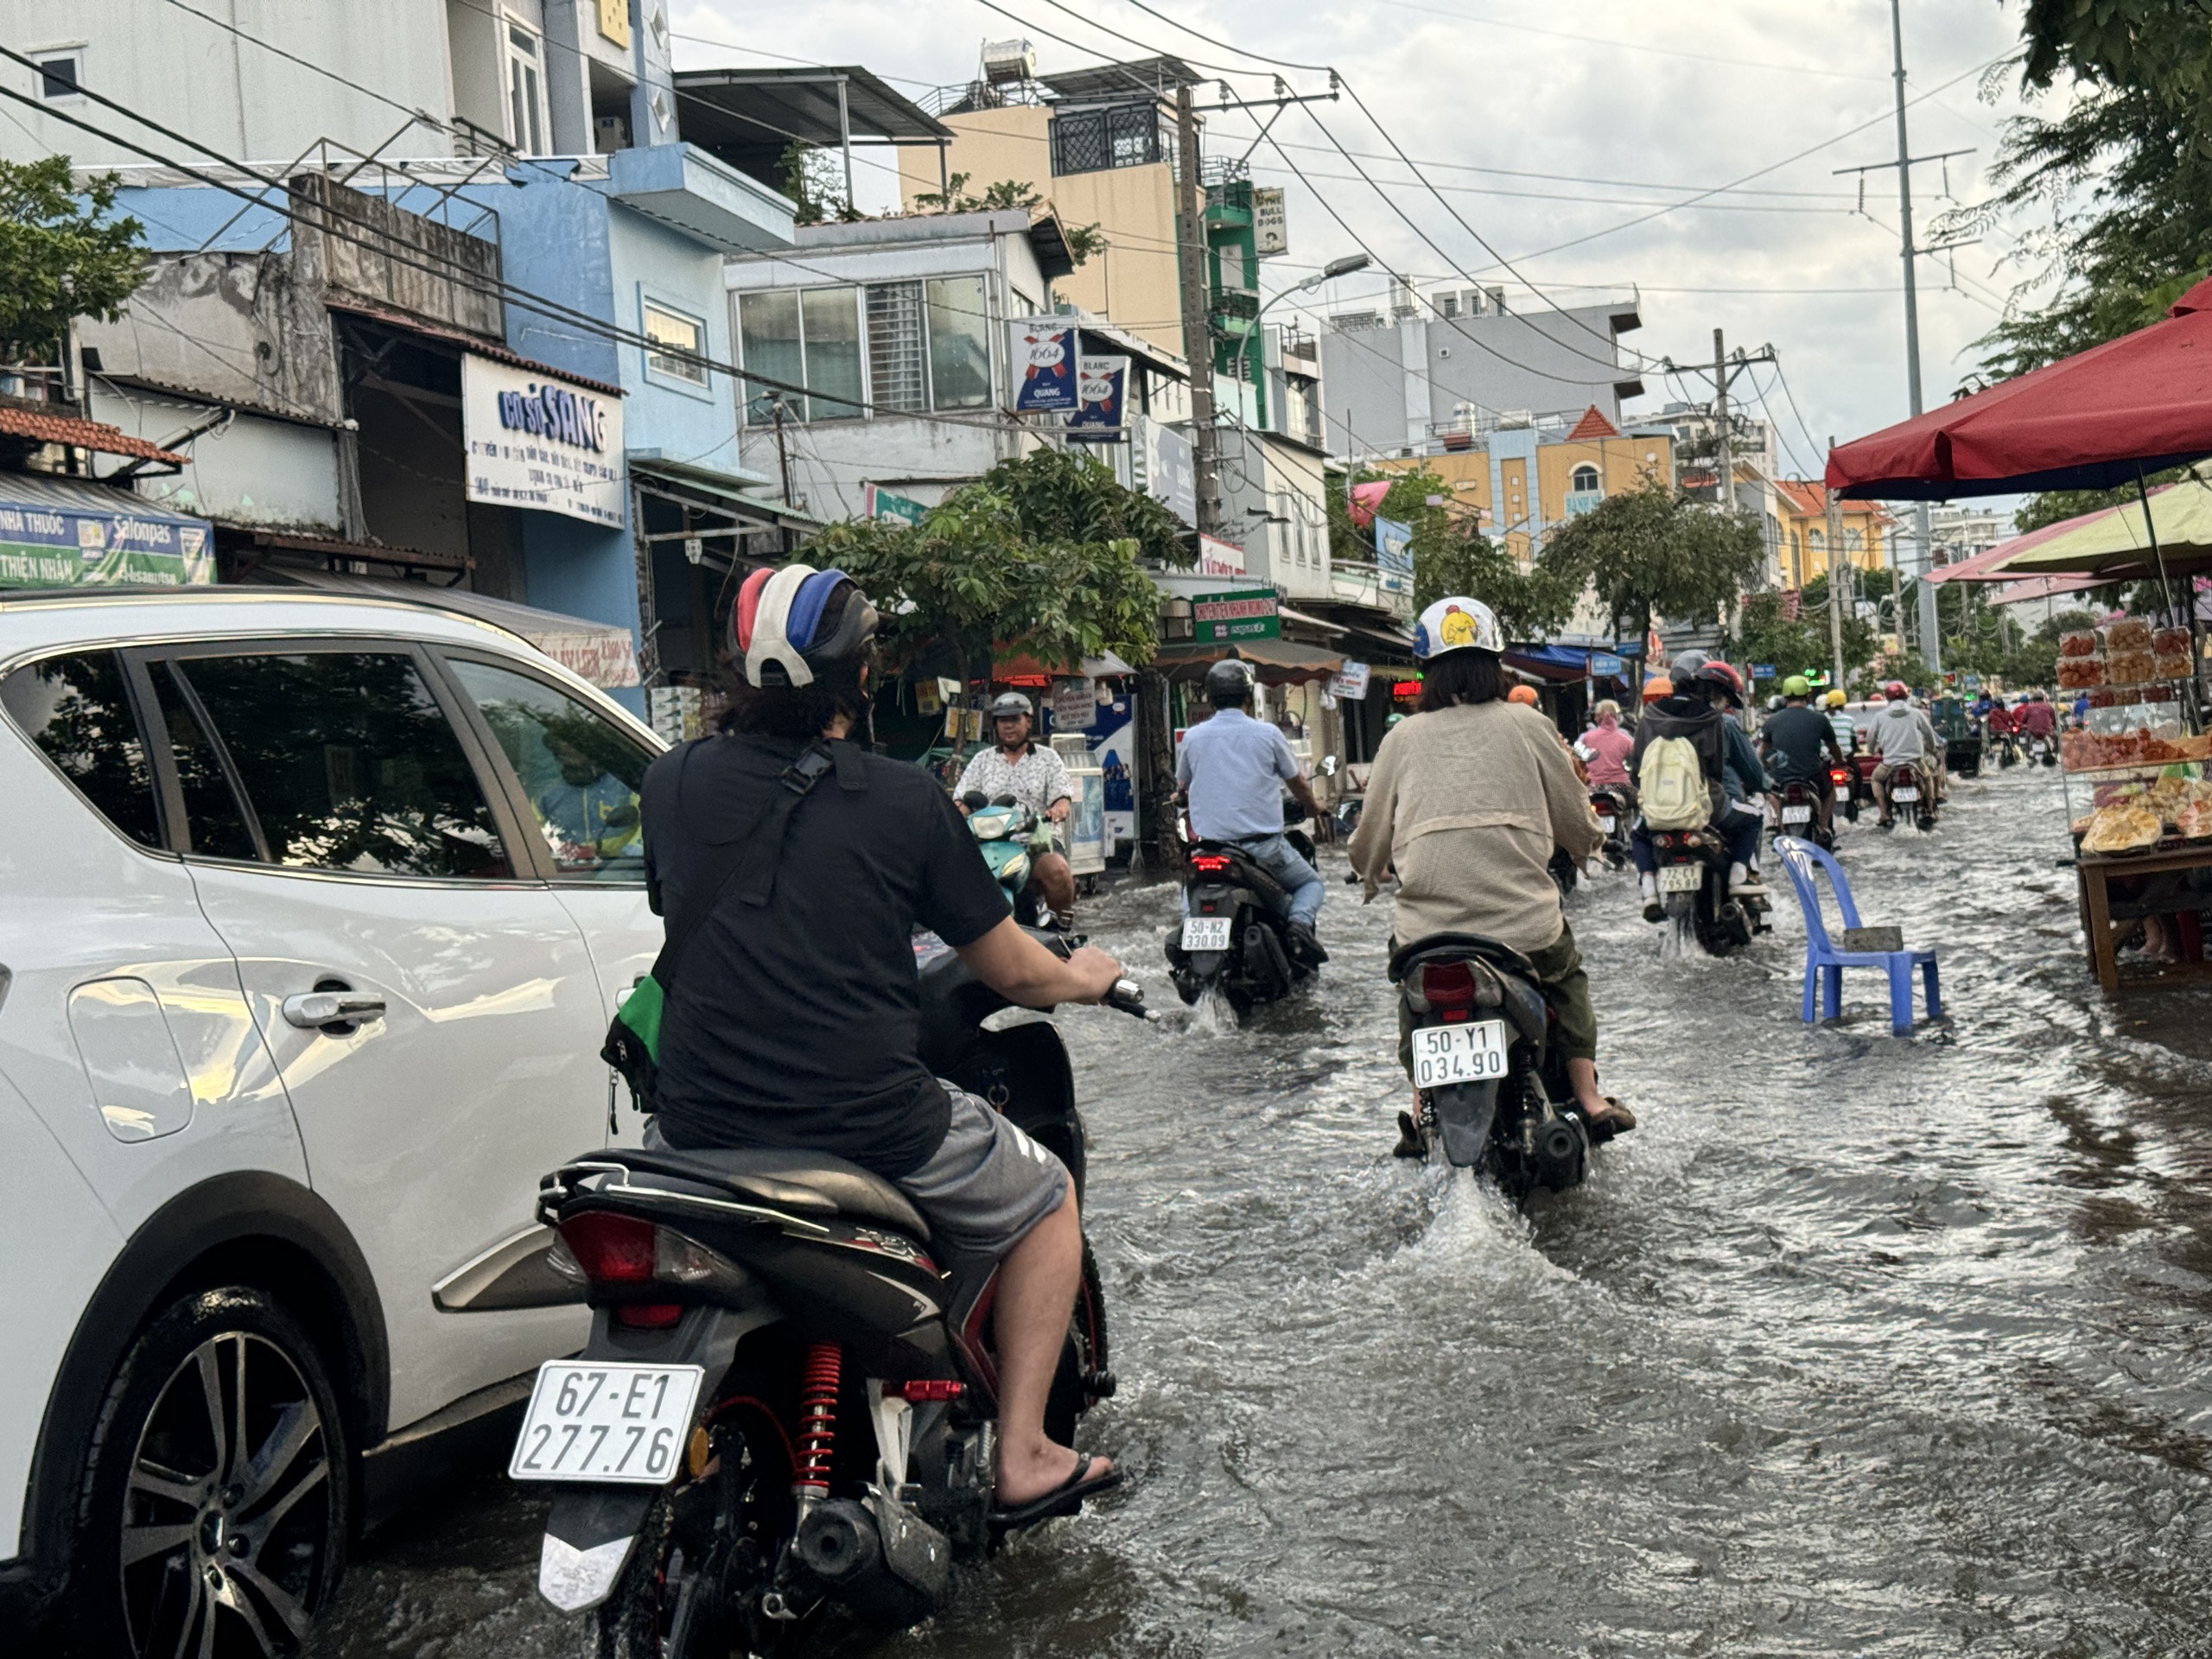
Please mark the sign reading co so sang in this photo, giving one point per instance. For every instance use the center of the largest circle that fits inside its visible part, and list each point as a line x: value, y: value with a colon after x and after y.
x: 534, y: 441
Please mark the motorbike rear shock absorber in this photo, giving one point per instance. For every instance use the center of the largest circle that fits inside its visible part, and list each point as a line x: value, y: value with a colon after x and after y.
x: 818, y: 1423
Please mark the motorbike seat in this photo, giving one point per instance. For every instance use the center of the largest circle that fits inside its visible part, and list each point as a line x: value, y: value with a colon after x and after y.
x: 1524, y: 1001
x: 812, y: 1182
x: 1270, y: 892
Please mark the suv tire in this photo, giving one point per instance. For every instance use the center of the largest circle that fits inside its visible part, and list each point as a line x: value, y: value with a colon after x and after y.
x: 218, y: 1486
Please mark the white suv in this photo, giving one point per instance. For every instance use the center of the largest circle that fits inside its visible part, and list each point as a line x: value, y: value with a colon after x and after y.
x: 312, y: 912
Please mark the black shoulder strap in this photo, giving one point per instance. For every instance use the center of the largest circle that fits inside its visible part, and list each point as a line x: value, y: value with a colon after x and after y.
x: 762, y: 840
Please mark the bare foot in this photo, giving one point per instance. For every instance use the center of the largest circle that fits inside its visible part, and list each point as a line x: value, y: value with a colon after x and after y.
x: 1028, y: 1475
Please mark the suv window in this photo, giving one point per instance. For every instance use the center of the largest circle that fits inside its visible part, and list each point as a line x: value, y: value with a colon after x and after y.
x: 75, y: 708
x: 215, y: 824
x: 582, y: 774
x: 349, y: 764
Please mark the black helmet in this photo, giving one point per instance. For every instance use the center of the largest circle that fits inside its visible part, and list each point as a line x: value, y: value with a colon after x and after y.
x: 1012, y: 705
x: 1229, y: 682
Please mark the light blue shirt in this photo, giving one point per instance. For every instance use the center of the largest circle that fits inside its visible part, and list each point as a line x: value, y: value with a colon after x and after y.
x: 1234, y: 768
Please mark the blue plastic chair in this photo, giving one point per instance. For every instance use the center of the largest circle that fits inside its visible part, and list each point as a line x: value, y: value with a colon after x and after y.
x: 1825, y: 962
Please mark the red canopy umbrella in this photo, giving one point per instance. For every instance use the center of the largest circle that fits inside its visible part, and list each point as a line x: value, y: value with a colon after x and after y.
x: 2101, y: 417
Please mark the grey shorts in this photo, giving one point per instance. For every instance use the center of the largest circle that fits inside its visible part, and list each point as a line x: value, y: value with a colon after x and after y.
x: 986, y: 1183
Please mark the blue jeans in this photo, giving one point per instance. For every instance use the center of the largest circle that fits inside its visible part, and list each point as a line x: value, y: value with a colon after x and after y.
x: 1275, y: 855
x: 1739, y: 830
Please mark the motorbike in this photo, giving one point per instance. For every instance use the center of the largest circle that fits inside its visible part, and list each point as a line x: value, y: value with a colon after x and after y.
x: 1843, y: 782
x: 1796, y: 812
x: 1010, y: 836
x: 2042, y: 750
x: 788, y: 1400
x: 1234, y: 932
x: 1614, y: 809
x: 1494, y: 1093
x: 1693, y: 877
x: 1912, y: 791
x: 2007, y: 748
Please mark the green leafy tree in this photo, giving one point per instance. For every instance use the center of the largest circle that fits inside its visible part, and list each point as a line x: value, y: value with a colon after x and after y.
x: 809, y: 175
x: 1648, y: 552
x: 1083, y: 240
x: 64, y: 253
x: 1450, y: 555
x: 1045, y: 556
x: 1765, y: 632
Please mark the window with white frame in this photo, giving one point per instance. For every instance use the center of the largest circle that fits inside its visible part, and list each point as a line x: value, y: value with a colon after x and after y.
x: 1585, y: 479
x: 528, y: 122
x: 679, y: 345
x: 883, y: 348
x: 61, y: 74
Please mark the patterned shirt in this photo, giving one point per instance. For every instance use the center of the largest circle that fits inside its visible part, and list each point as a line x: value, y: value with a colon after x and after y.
x: 1036, y: 779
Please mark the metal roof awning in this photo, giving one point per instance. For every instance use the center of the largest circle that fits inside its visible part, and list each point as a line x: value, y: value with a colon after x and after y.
x: 466, y: 342
x: 1104, y: 82
x: 602, y: 652
x: 260, y: 544
x: 1279, y: 661
x: 66, y: 533
x: 747, y: 118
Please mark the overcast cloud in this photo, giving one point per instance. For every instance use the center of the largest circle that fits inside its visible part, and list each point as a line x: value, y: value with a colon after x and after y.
x: 1642, y: 103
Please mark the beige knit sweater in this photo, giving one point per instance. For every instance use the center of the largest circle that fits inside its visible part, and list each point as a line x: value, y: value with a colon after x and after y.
x: 1467, y: 803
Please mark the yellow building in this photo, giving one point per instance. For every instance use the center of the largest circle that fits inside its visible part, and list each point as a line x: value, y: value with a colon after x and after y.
x: 1099, y: 153
x: 1803, y: 506
x: 1574, y: 468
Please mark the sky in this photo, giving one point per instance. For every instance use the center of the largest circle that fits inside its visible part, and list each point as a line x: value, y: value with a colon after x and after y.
x: 1559, y: 133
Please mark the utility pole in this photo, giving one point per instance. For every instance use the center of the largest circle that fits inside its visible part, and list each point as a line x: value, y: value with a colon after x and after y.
x: 1837, y: 566
x: 783, y: 461
x: 1721, y: 378
x: 1198, y: 334
x: 1932, y: 632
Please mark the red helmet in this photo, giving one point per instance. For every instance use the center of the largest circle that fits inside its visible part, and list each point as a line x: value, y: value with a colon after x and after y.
x: 1895, y: 691
x: 1723, y: 674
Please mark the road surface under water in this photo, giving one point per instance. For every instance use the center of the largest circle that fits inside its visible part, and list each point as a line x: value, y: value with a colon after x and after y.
x: 1857, y: 1345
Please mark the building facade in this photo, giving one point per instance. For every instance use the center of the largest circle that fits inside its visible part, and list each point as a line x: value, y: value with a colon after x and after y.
x: 1806, y: 553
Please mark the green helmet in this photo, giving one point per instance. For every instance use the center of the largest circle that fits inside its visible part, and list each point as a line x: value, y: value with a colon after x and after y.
x: 1796, y: 686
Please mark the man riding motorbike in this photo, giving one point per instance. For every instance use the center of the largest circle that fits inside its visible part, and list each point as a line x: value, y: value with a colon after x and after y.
x: 1035, y: 776
x: 796, y: 1025
x: 1797, y: 744
x: 1703, y: 688
x: 1901, y: 733
x: 2037, y: 718
x: 1466, y: 802
x: 1232, y: 769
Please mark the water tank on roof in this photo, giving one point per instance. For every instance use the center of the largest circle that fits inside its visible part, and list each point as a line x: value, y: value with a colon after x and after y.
x: 1009, y: 63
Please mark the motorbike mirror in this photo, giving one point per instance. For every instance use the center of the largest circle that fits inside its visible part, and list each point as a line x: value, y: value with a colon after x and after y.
x: 974, y: 800
x: 1003, y: 800
x: 1328, y: 765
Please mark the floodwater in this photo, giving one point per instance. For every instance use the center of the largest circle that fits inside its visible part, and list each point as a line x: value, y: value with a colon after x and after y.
x: 1856, y: 1347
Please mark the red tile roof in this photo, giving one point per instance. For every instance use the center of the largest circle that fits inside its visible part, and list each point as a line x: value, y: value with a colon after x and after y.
x: 41, y: 427
x: 1593, y: 425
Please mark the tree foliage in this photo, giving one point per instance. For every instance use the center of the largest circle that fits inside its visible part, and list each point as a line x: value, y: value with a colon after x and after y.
x: 1765, y: 632
x: 1083, y: 240
x: 2122, y: 176
x: 1648, y: 552
x: 1451, y: 555
x: 1044, y: 557
x: 63, y: 254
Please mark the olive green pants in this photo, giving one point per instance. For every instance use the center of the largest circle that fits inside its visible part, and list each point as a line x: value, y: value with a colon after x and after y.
x: 1565, y: 989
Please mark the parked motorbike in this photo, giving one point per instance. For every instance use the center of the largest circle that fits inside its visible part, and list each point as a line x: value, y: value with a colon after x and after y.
x: 1614, y: 809
x: 788, y: 1403
x: 1010, y: 836
x: 1693, y: 872
x: 1494, y: 1093
x: 1796, y: 812
x: 1234, y: 934
x: 1912, y: 792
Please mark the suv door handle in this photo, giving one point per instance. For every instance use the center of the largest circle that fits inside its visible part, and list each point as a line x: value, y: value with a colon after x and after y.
x: 312, y: 1010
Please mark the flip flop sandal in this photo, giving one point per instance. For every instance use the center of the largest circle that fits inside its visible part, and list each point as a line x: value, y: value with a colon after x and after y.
x: 1619, y: 1120
x: 1065, y: 1499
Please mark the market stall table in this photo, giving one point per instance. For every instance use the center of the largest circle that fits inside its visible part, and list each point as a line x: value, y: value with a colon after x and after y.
x: 2106, y: 919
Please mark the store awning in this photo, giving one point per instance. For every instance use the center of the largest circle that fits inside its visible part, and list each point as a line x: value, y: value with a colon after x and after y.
x: 69, y: 532
x: 1279, y: 662
x: 601, y: 652
x: 1023, y: 667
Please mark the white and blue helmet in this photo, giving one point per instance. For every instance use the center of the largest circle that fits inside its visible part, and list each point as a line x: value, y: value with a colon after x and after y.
x: 1456, y: 623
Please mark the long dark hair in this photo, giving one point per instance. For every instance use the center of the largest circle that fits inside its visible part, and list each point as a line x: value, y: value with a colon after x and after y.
x: 1462, y: 676
x: 798, y: 713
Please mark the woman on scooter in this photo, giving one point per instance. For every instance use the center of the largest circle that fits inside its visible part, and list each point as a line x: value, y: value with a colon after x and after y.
x: 1466, y: 802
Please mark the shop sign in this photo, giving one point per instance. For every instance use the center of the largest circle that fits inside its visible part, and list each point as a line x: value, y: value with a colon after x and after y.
x: 1044, y: 353
x: 1762, y: 671
x: 1219, y: 558
x: 1171, y: 471
x: 534, y: 441
x: 1393, y: 556
x: 1099, y: 384
x: 1270, y: 224
x: 899, y: 509
x: 1604, y: 665
x: 70, y: 547
x: 1075, y: 704
x: 1224, y: 619
x: 1349, y: 684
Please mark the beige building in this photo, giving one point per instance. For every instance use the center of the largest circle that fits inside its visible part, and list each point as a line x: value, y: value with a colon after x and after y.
x: 1098, y: 144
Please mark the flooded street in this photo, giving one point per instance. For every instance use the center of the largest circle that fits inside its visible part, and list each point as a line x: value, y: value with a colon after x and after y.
x: 1857, y: 1345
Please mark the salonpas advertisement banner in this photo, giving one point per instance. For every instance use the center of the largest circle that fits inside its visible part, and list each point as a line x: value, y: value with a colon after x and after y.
x: 536, y: 442
x: 86, y: 536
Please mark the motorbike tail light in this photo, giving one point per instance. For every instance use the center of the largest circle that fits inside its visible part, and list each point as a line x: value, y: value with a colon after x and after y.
x: 648, y: 1316
x: 1210, y: 863
x: 611, y: 1250
x: 918, y: 1391
x: 1839, y: 775
x: 1449, y: 989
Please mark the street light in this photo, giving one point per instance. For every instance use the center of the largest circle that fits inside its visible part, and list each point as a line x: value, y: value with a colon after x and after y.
x: 1328, y: 273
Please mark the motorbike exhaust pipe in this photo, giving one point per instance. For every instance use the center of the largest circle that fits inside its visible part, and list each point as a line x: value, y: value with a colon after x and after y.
x: 876, y: 1558
x: 1560, y: 1153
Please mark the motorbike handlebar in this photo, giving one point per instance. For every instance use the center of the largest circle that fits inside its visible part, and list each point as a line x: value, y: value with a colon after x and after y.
x: 1127, y: 997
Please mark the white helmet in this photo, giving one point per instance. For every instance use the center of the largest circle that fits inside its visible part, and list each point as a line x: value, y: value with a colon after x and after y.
x: 1456, y: 623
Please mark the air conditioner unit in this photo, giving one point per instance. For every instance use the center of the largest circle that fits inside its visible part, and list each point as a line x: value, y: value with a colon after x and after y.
x: 1009, y: 63
x: 1515, y: 418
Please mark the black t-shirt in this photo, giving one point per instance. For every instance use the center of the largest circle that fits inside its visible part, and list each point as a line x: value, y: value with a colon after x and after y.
x: 796, y: 1024
x: 1797, y: 741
